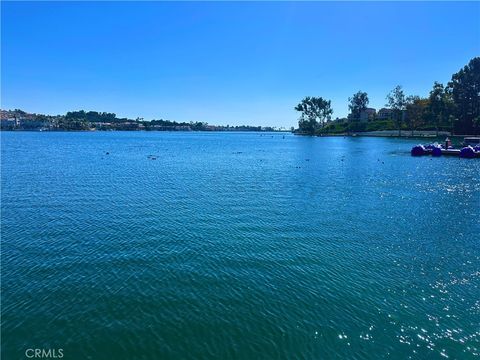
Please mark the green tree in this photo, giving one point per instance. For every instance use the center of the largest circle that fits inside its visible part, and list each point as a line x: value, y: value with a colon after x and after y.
x: 465, y: 92
x: 314, y: 113
x: 416, y: 111
x: 438, y: 104
x: 397, y: 102
x: 358, y: 103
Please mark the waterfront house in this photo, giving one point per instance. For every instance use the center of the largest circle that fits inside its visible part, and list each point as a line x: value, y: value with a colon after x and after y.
x: 8, y: 123
x: 385, y: 114
x: 365, y: 115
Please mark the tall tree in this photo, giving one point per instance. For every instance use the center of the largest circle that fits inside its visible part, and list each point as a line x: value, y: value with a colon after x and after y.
x: 358, y: 103
x: 417, y: 108
x: 397, y: 102
x: 465, y: 90
x: 314, y: 113
x: 439, y: 105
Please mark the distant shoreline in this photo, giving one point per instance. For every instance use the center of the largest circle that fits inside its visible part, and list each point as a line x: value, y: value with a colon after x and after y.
x: 102, y: 121
x: 394, y: 134
x: 383, y: 134
x: 143, y: 130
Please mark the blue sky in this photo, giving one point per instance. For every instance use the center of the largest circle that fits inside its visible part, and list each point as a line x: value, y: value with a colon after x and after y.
x: 226, y: 62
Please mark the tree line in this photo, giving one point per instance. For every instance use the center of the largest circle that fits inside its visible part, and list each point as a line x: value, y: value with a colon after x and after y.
x: 452, y: 107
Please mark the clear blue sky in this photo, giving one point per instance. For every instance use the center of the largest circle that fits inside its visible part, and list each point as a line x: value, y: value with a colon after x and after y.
x: 229, y: 62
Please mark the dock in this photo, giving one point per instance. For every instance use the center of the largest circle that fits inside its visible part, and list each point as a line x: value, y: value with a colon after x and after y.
x: 436, y: 150
x: 453, y: 152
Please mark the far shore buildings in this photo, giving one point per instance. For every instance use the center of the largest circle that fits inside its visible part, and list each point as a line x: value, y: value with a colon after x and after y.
x: 17, y: 119
x: 368, y: 114
x: 384, y: 114
x: 387, y: 114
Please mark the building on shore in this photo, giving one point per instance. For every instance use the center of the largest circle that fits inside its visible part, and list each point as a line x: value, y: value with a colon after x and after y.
x: 366, y: 115
x: 8, y: 123
x: 384, y: 114
x: 388, y: 114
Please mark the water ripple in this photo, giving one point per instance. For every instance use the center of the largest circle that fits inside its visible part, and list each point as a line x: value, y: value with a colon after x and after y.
x: 237, y: 246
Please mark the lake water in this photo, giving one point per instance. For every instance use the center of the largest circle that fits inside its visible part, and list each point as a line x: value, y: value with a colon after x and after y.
x: 237, y: 245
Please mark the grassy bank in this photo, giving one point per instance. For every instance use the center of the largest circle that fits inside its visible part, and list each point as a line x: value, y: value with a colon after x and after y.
x: 376, y: 125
